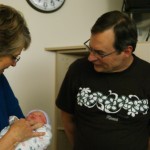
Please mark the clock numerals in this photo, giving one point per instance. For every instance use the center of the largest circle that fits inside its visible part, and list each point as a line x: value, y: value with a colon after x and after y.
x: 52, y: 3
x: 46, y: 6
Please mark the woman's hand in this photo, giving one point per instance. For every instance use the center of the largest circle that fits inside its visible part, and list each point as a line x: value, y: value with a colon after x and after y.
x: 19, y: 131
x: 22, y: 130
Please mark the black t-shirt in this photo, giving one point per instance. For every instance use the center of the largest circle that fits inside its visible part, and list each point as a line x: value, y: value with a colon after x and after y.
x: 111, y: 110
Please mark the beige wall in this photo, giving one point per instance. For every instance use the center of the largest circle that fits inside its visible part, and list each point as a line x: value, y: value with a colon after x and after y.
x: 33, y: 79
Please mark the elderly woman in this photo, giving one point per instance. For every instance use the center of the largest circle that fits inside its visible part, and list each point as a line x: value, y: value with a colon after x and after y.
x: 14, y: 37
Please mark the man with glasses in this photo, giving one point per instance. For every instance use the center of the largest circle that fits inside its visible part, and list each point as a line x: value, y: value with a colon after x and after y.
x: 104, y: 98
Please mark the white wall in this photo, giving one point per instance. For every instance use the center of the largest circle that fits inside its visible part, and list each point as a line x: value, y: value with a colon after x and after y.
x: 33, y: 79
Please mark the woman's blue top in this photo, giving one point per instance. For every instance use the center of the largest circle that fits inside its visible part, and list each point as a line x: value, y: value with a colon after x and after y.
x: 8, y: 103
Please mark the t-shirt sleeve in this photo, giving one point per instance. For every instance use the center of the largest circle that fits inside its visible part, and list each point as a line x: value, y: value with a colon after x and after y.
x: 68, y: 91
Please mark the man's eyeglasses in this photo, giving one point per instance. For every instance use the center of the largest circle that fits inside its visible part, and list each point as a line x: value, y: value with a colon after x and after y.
x: 97, y: 53
x: 15, y: 58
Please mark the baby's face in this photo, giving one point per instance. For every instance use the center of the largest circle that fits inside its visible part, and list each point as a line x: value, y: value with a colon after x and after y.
x: 37, y: 116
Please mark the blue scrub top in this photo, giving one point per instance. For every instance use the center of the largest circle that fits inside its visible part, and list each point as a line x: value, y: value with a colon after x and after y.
x: 8, y: 103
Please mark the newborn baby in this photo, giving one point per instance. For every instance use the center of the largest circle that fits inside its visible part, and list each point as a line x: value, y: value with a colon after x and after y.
x: 35, y: 143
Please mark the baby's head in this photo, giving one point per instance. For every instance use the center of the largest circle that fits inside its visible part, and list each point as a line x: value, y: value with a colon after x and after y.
x: 38, y: 115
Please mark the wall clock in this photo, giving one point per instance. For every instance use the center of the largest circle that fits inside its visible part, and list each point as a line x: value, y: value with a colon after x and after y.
x: 46, y: 6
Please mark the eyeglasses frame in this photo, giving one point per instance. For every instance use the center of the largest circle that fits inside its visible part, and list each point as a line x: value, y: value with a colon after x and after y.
x: 15, y: 58
x: 96, y: 51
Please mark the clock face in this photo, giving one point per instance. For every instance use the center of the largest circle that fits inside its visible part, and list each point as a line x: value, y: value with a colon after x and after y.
x: 46, y: 6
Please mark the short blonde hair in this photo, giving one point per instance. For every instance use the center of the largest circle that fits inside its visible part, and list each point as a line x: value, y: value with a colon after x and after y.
x: 14, y: 32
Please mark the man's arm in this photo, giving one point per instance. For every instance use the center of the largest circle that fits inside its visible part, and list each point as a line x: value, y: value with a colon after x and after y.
x: 69, y: 125
x: 149, y: 143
